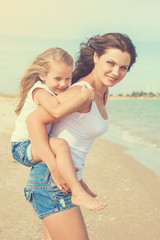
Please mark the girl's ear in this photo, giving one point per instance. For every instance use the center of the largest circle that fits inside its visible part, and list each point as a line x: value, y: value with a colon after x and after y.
x: 42, y: 76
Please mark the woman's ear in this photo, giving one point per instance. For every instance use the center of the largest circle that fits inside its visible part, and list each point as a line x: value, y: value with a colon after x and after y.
x: 95, y: 58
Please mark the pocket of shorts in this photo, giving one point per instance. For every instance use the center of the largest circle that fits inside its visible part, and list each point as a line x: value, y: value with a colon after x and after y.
x: 29, y: 195
x: 62, y: 200
x: 58, y: 194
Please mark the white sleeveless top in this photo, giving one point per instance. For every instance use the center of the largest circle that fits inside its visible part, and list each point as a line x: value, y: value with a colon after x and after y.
x: 20, y: 132
x: 80, y: 131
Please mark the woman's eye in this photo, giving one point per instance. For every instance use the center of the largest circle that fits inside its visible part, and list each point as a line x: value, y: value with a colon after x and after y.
x: 110, y: 63
x: 124, y: 68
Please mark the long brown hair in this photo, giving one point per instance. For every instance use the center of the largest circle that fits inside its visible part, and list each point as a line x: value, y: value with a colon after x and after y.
x: 99, y: 44
x: 41, y: 65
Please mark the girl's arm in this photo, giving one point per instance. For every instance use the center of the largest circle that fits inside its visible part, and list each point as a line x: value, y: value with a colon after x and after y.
x: 59, y: 109
x: 45, y: 154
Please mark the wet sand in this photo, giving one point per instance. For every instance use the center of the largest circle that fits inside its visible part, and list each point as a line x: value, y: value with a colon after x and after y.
x: 131, y: 190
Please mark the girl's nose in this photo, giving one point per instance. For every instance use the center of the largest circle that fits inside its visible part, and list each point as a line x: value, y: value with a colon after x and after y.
x: 63, y: 83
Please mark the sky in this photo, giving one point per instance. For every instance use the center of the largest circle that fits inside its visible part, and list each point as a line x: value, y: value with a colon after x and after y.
x: 27, y: 28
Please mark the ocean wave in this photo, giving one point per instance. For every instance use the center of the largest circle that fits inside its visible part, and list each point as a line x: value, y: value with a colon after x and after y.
x: 131, y: 137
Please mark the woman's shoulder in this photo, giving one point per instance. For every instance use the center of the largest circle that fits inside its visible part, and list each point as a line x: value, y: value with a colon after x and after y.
x: 81, y: 83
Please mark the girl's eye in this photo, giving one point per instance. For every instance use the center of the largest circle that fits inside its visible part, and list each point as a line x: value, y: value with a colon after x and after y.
x: 58, y: 79
x: 68, y: 79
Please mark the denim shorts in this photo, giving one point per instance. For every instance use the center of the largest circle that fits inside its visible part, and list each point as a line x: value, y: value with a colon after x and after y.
x: 43, y: 194
x: 21, y: 152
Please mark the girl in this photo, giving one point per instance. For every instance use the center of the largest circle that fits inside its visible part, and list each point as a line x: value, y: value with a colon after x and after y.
x: 103, y: 62
x: 49, y: 75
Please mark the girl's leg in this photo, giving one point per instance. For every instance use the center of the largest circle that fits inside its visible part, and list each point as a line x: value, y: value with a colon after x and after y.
x: 67, y: 224
x: 66, y: 169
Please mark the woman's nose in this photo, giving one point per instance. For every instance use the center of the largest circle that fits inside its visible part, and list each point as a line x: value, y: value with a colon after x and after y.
x: 115, y: 71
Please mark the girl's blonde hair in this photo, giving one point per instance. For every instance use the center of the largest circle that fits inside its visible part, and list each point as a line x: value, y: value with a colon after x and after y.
x: 41, y: 65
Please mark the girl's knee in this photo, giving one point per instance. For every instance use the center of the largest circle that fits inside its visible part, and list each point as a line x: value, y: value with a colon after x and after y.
x: 58, y: 143
x: 62, y: 143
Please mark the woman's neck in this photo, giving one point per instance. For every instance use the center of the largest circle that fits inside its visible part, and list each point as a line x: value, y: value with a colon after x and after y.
x: 100, y: 88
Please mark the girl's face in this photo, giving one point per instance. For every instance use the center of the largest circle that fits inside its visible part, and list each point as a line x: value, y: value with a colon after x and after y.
x: 112, y: 66
x: 58, y: 78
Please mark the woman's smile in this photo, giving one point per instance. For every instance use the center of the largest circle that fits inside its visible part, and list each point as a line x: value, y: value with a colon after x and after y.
x: 111, y: 79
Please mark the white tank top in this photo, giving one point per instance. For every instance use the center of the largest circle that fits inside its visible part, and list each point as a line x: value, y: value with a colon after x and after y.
x: 80, y: 131
x: 20, y: 132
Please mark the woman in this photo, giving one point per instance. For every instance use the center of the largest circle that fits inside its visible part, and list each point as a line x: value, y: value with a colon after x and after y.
x: 103, y: 62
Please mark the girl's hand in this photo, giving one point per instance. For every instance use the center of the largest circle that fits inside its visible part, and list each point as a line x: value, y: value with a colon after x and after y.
x: 86, y: 188
x: 58, y: 180
x: 88, y: 93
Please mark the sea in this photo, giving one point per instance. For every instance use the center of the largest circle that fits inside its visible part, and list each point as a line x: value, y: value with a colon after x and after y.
x: 135, y: 124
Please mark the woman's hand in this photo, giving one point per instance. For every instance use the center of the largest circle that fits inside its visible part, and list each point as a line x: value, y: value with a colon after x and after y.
x: 58, y: 180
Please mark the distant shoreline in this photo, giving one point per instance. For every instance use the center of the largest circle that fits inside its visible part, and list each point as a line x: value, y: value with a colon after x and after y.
x: 110, y: 96
x: 8, y: 95
x: 130, y: 97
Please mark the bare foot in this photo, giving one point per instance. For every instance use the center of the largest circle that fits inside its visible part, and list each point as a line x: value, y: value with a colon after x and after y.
x: 83, y: 199
x: 90, y: 192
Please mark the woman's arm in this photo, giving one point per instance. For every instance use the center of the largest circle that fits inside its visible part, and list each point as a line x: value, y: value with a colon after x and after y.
x: 41, y: 146
x: 36, y: 125
x: 59, y: 109
x: 105, y: 96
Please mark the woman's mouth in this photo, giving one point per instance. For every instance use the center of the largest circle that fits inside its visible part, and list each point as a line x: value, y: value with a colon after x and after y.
x: 111, y: 79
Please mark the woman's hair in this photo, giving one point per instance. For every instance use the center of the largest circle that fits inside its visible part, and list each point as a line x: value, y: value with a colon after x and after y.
x: 99, y: 44
x: 41, y: 65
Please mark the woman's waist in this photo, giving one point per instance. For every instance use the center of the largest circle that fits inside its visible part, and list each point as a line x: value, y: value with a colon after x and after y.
x: 40, y: 175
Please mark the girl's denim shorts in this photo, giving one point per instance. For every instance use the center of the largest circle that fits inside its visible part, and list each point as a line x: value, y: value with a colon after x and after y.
x: 21, y: 152
x: 43, y: 194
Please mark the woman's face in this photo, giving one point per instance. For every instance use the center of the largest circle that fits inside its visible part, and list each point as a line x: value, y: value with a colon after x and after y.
x: 112, y: 66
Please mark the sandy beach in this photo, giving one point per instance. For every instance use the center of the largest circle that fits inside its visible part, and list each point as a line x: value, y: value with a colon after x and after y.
x: 131, y: 190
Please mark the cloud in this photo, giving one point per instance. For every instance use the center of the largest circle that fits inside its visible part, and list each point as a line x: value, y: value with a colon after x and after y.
x: 29, y: 27
x: 41, y: 18
x: 75, y: 19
